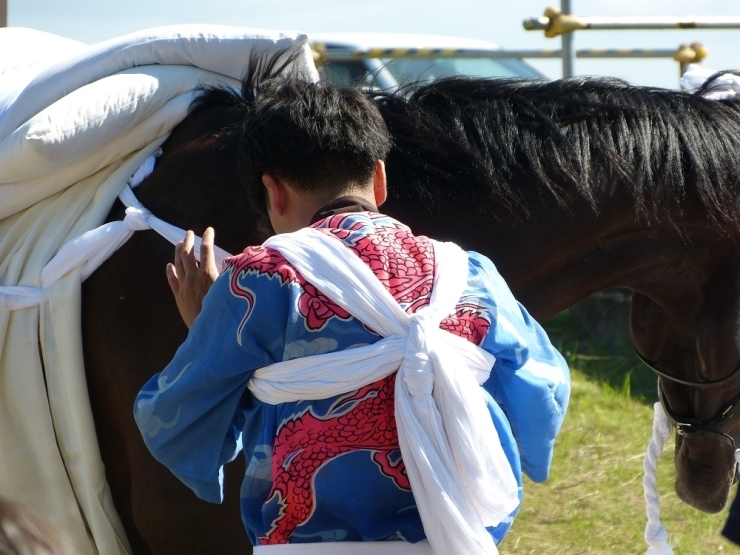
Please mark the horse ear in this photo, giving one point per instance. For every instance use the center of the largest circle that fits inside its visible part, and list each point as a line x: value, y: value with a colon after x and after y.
x: 380, y: 183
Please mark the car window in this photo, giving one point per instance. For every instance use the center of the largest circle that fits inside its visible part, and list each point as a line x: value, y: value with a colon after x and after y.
x: 346, y: 74
x: 406, y: 70
x: 390, y: 73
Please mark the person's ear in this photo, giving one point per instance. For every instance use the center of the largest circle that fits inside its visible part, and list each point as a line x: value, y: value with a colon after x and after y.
x: 276, y: 194
x: 380, y: 184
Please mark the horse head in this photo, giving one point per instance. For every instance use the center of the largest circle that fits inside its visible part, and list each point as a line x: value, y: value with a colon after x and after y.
x: 196, y: 183
x: 690, y: 337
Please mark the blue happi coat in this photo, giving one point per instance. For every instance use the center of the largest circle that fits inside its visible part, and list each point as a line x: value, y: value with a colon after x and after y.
x: 331, y: 470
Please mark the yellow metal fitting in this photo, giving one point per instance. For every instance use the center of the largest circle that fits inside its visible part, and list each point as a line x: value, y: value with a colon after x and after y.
x: 561, y: 23
x: 691, y: 54
x: 317, y: 51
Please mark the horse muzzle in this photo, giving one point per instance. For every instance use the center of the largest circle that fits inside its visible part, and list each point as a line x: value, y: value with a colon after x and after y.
x: 705, y: 470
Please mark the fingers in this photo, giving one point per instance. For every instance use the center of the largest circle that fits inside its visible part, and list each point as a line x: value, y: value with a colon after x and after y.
x: 207, y: 257
x: 185, y: 263
x: 172, y: 279
x: 188, y: 280
x: 179, y: 270
x: 187, y: 256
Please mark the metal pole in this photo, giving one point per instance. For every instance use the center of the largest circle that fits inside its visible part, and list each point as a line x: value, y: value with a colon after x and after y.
x: 626, y: 23
x: 567, y: 39
x: 344, y: 54
x: 3, y: 13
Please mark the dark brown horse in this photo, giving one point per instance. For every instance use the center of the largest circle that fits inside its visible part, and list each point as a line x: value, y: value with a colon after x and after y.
x: 570, y: 187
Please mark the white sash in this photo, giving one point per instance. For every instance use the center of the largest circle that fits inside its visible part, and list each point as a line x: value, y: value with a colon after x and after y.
x: 346, y: 548
x: 459, y: 474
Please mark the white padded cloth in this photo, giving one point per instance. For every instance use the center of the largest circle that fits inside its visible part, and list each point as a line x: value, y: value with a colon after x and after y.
x: 22, y: 48
x: 49, y: 457
x: 726, y: 86
x: 63, y: 120
x: 216, y: 48
x: 459, y: 474
x: 75, y: 123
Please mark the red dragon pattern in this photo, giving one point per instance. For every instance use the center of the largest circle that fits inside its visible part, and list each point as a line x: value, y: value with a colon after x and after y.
x: 307, y: 442
x: 362, y: 420
x: 313, y: 305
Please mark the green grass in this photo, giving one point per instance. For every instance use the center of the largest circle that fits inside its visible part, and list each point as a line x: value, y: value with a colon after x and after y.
x: 604, y: 355
x: 593, y: 502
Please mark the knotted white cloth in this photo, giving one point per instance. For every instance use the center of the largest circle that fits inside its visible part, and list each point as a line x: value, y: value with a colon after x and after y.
x: 459, y: 474
x: 345, y: 548
x: 95, y: 246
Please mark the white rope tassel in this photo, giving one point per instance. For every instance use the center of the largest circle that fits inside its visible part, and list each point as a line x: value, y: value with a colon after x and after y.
x: 655, y: 533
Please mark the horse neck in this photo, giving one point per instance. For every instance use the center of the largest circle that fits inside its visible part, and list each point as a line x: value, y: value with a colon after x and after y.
x: 568, y: 255
x: 554, y: 257
x: 511, y: 154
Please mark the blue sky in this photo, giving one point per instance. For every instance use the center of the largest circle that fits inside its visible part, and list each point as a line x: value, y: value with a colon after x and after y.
x: 497, y: 21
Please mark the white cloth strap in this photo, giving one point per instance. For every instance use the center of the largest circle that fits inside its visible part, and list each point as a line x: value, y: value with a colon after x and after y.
x: 346, y: 548
x: 459, y: 474
x: 94, y: 247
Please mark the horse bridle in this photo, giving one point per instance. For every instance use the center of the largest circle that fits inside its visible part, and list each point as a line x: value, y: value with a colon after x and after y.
x: 692, y: 427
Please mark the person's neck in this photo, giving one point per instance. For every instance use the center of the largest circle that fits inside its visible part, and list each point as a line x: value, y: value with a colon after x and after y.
x: 343, y: 205
x: 302, y: 211
x: 366, y: 196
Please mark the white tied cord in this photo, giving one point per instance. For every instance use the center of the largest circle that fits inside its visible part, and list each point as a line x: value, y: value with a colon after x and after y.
x: 459, y: 474
x: 724, y: 87
x: 655, y: 533
x: 94, y: 247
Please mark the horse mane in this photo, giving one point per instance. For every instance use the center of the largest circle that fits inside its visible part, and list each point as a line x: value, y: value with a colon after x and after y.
x: 262, y: 67
x: 500, y: 143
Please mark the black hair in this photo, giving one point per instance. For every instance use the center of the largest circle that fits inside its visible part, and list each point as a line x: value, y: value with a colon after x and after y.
x: 319, y: 138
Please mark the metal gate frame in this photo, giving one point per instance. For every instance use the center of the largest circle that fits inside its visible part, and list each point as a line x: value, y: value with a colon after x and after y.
x: 561, y: 22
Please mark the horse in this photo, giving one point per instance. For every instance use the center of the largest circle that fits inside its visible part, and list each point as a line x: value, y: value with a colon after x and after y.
x: 569, y: 186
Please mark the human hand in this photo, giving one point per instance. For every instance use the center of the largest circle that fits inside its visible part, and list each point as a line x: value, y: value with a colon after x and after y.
x: 189, y: 280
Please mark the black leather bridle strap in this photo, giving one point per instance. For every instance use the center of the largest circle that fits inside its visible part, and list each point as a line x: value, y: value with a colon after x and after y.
x: 722, y: 381
x: 690, y: 427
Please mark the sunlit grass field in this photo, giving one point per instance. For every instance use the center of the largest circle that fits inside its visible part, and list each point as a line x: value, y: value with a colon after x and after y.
x: 593, y: 502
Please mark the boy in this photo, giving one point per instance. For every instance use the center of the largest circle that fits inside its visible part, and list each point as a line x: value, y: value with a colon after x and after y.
x: 329, y: 469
